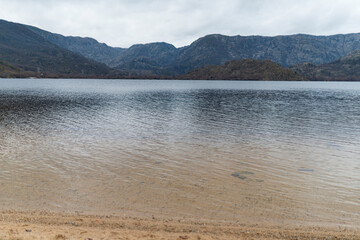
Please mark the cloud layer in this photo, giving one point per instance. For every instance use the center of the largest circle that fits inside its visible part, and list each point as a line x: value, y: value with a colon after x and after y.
x: 122, y: 23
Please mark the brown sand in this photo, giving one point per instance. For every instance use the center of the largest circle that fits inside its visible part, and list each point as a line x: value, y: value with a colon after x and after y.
x: 45, y: 225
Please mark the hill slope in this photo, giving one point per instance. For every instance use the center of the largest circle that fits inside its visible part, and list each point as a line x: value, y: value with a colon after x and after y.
x: 29, y: 51
x: 248, y: 69
x: 346, y: 68
x: 87, y: 47
x: 7, y: 70
x: 152, y: 58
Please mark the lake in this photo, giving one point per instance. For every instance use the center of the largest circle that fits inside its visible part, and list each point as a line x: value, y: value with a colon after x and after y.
x: 284, y: 152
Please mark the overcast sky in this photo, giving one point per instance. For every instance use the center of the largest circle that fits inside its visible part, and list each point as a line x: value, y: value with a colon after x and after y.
x: 121, y: 23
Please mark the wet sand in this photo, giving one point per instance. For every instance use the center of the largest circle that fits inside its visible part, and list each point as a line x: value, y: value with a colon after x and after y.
x: 46, y: 225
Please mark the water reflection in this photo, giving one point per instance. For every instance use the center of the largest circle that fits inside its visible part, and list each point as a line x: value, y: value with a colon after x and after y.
x: 174, y: 147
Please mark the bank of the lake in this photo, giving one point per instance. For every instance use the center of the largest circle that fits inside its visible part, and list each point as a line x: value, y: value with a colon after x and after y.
x: 45, y: 225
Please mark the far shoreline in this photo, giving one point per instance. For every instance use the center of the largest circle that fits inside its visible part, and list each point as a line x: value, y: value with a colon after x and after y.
x: 173, y: 79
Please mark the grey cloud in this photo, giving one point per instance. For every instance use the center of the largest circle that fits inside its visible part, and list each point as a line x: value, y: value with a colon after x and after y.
x: 126, y: 22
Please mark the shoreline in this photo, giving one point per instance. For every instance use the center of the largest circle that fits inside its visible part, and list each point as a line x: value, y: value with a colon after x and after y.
x: 178, y: 79
x: 49, y: 225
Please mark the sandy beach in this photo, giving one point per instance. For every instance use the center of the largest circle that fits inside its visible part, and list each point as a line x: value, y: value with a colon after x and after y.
x: 46, y: 225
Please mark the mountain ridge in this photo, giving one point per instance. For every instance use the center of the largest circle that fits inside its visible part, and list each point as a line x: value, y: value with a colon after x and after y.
x: 87, y: 47
x: 35, y: 52
x: 30, y: 52
x: 162, y: 58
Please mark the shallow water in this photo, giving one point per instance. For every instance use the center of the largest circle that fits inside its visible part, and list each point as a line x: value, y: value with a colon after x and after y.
x: 285, y: 152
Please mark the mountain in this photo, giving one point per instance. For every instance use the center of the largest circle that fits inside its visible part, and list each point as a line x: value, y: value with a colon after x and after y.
x: 247, y: 69
x: 347, y: 68
x: 30, y: 52
x: 87, y: 47
x: 165, y: 59
x: 153, y: 58
x: 39, y: 52
x: 140, y: 59
x: 285, y: 50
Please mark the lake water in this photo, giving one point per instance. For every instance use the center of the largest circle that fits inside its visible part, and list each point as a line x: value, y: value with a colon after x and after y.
x: 285, y: 152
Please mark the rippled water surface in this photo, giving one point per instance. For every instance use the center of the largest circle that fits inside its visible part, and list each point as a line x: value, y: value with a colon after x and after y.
x: 244, y: 151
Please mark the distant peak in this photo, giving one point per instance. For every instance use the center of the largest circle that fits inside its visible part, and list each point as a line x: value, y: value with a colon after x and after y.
x: 215, y: 35
x: 154, y: 44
